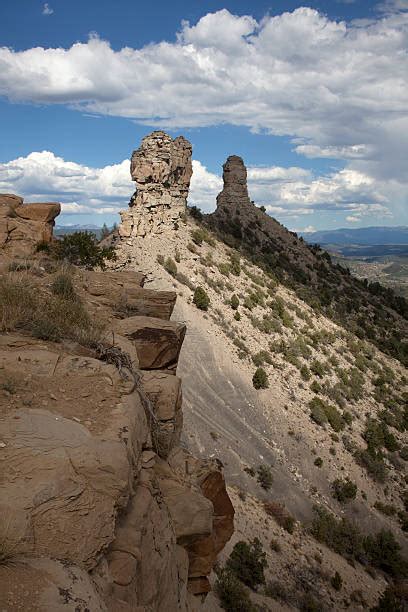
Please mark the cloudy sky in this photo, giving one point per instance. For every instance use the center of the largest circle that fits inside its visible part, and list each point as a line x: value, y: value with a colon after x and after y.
x: 313, y: 96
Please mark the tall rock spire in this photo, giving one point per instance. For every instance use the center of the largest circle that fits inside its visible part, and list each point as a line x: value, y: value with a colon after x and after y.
x: 235, y: 191
x: 161, y: 168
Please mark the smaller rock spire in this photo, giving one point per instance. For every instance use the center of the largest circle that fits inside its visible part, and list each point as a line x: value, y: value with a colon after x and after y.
x: 235, y: 190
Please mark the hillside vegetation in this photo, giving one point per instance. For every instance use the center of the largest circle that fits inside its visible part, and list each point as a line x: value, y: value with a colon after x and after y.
x: 327, y: 438
x: 369, y: 310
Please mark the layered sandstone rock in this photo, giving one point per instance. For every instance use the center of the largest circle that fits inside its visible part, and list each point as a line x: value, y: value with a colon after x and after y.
x: 98, y: 501
x: 23, y: 226
x: 158, y: 343
x: 235, y: 190
x: 123, y: 292
x: 162, y: 170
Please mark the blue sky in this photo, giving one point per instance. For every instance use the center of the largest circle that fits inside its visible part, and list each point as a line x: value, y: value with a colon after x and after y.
x: 313, y: 96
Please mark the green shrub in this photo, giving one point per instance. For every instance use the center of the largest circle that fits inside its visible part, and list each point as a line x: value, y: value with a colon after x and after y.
x: 373, y: 463
x: 309, y: 604
x: 201, y: 235
x: 18, y: 302
x: 224, y: 268
x: 264, y: 477
x: 317, y: 411
x: 344, y: 490
x: 184, y: 280
x: 197, y: 236
x: 275, y: 546
x: 394, y: 599
x: 19, y: 266
x: 321, y: 413
x: 336, y: 581
x: 262, y: 357
x: 237, y: 316
x: 305, y: 373
x: 231, y: 592
x: 318, y: 462
x: 315, y: 387
x: 347, y: 417
x: 342, y: 536
x: 317, y: 368
x: 260, y: 379
x: 201, y: 299
x: 170, y: 266
x: 383, y: 552
x: 234, y: 302
x: 277, y: 590
x: 247, y: 562
x: 387, y: 509
x: 377, y: 435
x: 81, y: 249
x: 404, y: 453
x: 235, y: 264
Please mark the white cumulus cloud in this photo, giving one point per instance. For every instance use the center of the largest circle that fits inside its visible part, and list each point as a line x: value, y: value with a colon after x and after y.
x: 336, y: 89
x: 285, y: 192
x: 47, y: 10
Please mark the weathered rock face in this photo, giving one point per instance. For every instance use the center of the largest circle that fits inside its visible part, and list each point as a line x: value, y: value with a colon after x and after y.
x: 98, y: 501
x: 235, y: 189
x: 23, y: 226
x: 162, y: 170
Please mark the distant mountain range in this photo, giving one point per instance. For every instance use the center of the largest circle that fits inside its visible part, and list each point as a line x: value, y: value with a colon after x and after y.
x: 70, y: 229
x: 367, y: 236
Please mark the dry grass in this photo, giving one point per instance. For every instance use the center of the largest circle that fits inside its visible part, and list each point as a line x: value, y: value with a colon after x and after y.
x: 26, y: 306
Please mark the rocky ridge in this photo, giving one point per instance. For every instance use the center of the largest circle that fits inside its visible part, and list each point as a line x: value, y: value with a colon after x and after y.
x: 370, y: 311
x: 101, y: 507
x: 273, y: 427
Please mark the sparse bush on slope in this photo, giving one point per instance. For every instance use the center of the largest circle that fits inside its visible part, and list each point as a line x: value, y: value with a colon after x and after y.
x: 201, y: 299
x: 247, y: 562
x: 82, y: 249
x: 232, y: 594
x: 260, y: 379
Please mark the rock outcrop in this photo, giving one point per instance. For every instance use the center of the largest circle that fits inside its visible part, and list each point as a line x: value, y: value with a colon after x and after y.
x: 100, y: 507
x: 23, y: 226
x: 235, y: 190
x: 162, y: 170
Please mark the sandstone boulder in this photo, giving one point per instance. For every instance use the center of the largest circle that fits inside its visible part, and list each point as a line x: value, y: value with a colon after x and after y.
x: 65, y: 463
x: 158, y: 343
x: 191, y: 512
x: 44, y: 212
x: 164, y: 392
x: 8, y: 203
x: 145, y: 564
x: 207, y: 476
x: 126, y: 296
x: 23, y: 226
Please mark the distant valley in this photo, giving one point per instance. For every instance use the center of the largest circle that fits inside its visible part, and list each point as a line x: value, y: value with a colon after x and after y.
x: 376, y: 253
